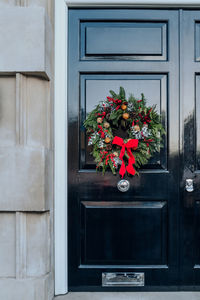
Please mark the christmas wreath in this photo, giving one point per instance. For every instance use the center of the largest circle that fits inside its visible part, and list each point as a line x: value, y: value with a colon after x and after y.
x: 123, y: 132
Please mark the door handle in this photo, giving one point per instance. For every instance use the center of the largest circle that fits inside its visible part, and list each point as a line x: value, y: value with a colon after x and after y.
x: 123, y: 185
x: 189, y: 186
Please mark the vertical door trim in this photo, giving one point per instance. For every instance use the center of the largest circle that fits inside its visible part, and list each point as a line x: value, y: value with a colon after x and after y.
x: 60, y: 118
x: 60, y: 148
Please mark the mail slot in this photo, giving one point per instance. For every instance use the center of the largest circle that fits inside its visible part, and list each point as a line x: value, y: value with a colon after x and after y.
x: 122, y: 279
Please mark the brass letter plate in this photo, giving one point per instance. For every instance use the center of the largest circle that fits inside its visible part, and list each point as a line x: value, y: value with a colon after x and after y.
x: 123, y: 279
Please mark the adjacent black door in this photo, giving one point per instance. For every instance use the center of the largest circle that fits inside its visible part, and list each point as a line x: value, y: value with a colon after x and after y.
x: 154, y: 228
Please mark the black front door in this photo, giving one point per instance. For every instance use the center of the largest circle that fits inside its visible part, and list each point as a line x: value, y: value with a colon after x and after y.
x: 154, y: 228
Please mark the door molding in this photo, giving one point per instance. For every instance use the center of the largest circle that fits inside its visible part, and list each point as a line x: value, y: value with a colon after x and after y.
x: 60, y: 118
x: 60, y: 148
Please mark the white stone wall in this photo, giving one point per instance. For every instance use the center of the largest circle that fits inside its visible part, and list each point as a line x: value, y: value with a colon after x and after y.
x: 25, y: 144
x: 26, y: 150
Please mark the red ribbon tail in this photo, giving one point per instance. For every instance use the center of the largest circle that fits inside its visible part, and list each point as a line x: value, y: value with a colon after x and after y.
x: 130, y: 169
x: 131, y: 161
x: 122, y: 170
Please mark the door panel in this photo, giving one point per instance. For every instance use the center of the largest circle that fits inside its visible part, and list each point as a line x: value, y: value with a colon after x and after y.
x: 154, y: 88
x: 190, y: 146
x: 100, y: 40
x: 137, y: 230
x: 118, y: 229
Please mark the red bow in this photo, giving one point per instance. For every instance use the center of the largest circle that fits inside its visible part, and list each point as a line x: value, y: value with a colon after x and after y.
x: 133, y: 143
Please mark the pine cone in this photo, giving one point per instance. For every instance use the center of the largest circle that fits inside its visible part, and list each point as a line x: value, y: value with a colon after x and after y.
x: 133, y: 115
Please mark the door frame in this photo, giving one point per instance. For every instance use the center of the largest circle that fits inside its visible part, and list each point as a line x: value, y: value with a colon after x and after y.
x: 60, y: 118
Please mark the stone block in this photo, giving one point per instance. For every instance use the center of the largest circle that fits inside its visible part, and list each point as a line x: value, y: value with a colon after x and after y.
x: 25, y: 33
x: 22, y: 177
x: 7, y: 111
x: 27, y: 289
x: 25, y: 111
x: 38, y: 244
x: 38, y: 112
x: 7, y: 245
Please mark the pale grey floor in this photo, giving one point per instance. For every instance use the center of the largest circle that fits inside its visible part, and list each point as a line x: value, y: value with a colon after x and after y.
x: 131, y: 296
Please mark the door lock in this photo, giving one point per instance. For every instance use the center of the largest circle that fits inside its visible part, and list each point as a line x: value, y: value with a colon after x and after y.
x: 189, y: 185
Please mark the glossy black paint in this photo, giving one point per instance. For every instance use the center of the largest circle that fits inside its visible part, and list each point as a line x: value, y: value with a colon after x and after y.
x: 101, y: 39
x: 154, y: 227
x: 190, y: 145
x: 117, y: 238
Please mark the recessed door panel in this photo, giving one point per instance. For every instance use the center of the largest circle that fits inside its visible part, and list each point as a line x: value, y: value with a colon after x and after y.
x: 154, y: 88
x: 144, y: 40
x: 124, y: 233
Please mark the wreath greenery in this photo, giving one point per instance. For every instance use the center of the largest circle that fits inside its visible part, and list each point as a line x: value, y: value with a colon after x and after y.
x: 141, y: 125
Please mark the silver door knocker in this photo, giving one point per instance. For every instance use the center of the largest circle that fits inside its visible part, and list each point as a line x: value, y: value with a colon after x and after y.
x: 123, y: 185
x: 189, y: 185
